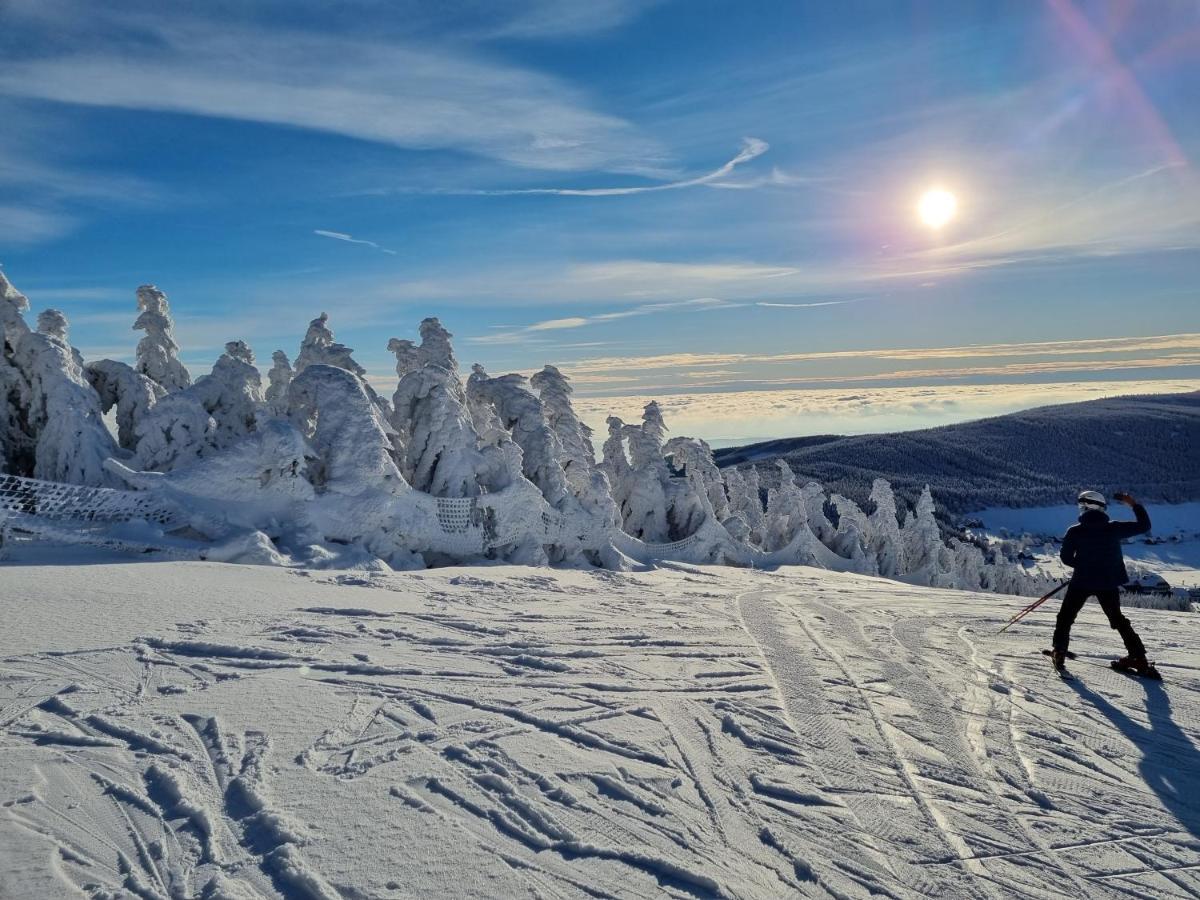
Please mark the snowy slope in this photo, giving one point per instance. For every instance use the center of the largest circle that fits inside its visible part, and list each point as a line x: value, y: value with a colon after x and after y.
x: 193, y: 729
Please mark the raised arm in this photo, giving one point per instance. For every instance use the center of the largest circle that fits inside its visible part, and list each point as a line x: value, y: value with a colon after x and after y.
x: 1129, y: 529
x: 1067, y: 554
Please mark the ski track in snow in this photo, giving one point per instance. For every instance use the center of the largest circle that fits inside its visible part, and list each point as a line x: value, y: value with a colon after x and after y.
x: 190, y: 730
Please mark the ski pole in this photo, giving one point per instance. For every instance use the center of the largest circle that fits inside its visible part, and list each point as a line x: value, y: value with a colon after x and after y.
x: 1031, y: 607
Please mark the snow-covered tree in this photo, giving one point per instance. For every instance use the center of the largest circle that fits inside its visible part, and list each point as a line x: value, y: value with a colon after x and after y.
x: 441, y: 449
x: 72, y: 441
x: 742, y: 488
x: 577, y: 453
x: 814, y: 507
x: 853, y: 529
x: 695, y: 456
x: 884, y: 541
x: 216, y: 412
x: 347, y: 432
x: 319, y: 348
x: 131, y: 392
x: 647, y: 484
x: 521, y: 413
x: 278, y: 380
x: 16, y: 439
x: 922, y: 539
x: 176, y: 432
x: 232, y: 394
x: 157, y: 352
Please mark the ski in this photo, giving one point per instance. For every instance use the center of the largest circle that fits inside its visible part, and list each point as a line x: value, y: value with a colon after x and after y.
x: 1062, y: 671
x: 1151, y: 673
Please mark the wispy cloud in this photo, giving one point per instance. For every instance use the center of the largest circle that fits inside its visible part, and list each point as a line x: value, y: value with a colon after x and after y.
x: 1163, y: 344
x: 698, y: 304
x: 404, y: 92
x: 807, y: 305
x: 752, y: 148
x: 349, y: 239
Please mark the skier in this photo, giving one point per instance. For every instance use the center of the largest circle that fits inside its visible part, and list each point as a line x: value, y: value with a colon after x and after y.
x: 1092, y: 547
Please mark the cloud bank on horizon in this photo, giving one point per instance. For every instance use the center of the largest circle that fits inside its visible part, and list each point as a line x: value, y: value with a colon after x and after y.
x: 546, y: 178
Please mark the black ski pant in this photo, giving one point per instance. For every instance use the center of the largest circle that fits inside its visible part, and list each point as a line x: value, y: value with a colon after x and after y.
x: 1110, y: 602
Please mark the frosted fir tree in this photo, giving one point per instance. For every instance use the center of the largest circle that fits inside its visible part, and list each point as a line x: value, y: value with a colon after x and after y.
x: 744, y: 500
x: 884, y: 541
x: 505, y: 458
x: 132, y: 393
x: 695, y: 456
x: 176, y: 432
x: 157, y: 353
x: 922, y: 537
x: 441, y: 449
x: 814, y: 507
x: 967, y: 566
x: 232, y: 394
x: 16, y: 439
x: 615, y: 461
x: 521, y: 414
x: 646, y: 505
x: 320, y: 348
x: 72, y: 441
x: 850, y: 540
x: 577, y: 454
x: 786, y: 512
x: 347, y: 432
x: 278, y: 379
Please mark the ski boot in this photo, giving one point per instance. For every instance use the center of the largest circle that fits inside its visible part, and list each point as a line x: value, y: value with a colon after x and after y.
x: 1136, y: 665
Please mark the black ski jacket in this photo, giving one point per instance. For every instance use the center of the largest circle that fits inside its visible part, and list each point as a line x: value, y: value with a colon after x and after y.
x: 1093, y: 549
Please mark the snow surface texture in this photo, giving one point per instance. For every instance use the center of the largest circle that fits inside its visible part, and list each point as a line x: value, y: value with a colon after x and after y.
x: 202, y: 730
x: 318, y: 469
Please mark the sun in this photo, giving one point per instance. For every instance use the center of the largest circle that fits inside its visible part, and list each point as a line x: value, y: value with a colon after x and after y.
x: 937, y: 207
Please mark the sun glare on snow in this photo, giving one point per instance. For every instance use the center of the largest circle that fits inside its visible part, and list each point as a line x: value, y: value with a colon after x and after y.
x: 937, y: 207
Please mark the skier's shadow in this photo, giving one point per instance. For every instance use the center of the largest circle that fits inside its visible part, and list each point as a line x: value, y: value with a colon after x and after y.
x: 1170, y: 763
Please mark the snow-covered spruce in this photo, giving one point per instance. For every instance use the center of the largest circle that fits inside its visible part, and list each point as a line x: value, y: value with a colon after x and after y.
x: 157, y: 352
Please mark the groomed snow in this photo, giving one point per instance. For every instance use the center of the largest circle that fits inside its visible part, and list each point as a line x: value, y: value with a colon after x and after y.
x: 222, y: 731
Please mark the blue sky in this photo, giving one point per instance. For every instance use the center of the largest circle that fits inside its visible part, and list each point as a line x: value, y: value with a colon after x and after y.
x: 711, y: 203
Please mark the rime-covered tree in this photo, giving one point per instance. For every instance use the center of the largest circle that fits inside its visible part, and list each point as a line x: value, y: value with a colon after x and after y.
x: 72, y: 441
x: 346, y: 431
x: 695, y: 456
x: 176, y: 432
x: 232, y: 394
x: 646, y: 497
x: 278, y: 379
x: 851, y: 539
x: 744, y: 500
x: 814, y: 507
x: 884, y: 541
x: 441, y: 453
x: 577, y: 453
x: 157, y: 352
x: 521, y: 413
x: 319, y: 348
x: 16, y: 439
x: 922, y: 538
x: 132, y: 393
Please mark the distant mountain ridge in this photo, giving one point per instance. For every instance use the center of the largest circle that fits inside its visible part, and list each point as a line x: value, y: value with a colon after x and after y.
x: 1148, y: 444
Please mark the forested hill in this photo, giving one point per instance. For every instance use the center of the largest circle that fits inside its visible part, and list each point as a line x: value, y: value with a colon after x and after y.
x: 1148, y: 444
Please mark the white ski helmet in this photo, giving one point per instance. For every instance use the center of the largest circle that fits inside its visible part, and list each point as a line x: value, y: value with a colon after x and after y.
x: 1092, y: 500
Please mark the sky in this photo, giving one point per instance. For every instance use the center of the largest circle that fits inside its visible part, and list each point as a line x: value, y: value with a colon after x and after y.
x: 710, y: 203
